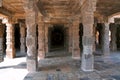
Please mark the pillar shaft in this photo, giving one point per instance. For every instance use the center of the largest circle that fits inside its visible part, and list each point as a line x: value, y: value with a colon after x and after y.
x: 88, y: 43
x: 22, y: 38
x: 41, y: 40
x: 113, y: 37
x: 106, y: 48
x: 70, y: 39
x: 46, y: 38
x: 31, y: 39
x: 10, y: 50
x: 75, y: 40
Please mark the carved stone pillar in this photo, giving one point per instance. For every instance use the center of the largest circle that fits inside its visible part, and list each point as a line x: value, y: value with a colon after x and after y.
x: 46, y: 38
x: 70, y: 38
x: 88, y: 35
x: 31, y: 39
x: 1, y: 41
x: 113, y: 37
x: 106, y: 42
x: 22, y: 37
x: 75, y: 41
x: 41, y: 40
x: 10, y: 50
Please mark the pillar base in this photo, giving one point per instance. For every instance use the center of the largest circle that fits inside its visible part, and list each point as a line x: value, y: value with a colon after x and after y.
x: 10, y: 54
x: 87, y: 62
x: 32, y: 64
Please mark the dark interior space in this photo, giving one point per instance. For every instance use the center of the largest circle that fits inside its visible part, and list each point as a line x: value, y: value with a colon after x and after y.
x: 80, y: 36
x: 17, y: 37
x: 99, y: 29
x: 57, y: 36
x: 4, y: 39
x: 118, y: 37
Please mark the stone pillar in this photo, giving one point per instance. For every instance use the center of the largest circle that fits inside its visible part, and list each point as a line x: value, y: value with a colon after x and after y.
x: 70, y: 39
x: 88, y: 35
x: 10, y: 50
x: 22, y: 37
x: 106, y: 47
x: 1, y: 42
x: 46, y: 38
x: 31, y: 39
x: 113, y: 37
x: 75, y: 41
x: 41, y: 40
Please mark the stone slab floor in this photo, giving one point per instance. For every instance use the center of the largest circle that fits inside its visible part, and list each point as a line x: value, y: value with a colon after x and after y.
x: 61, y: 68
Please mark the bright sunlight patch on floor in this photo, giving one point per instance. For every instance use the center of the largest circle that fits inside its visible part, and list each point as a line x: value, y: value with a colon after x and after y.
x: 13, y: 69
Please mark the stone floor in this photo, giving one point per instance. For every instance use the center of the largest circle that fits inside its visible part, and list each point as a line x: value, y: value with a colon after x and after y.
x: 61, y: 68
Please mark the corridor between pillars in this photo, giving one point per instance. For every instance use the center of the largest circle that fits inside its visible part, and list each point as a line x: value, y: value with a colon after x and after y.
x: 31, y: 39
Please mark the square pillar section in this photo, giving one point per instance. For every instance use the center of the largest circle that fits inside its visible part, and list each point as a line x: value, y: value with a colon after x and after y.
x: 31, y: 38
x: 75, y: 40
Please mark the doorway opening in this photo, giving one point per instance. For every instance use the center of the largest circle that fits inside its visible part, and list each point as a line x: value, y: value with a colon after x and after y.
x: 56, y: 38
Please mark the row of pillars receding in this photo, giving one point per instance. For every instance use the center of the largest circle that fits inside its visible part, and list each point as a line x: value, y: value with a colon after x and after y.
x: 10, y: 41
x: 87, y: 63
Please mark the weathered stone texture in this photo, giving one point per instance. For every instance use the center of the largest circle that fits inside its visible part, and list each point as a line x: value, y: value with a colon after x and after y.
x: 106, y: 42
x: 10, y: 51
x: 31, y: 39
x: 88, y: 40
x: 75, y: 41
x: 41, y: 40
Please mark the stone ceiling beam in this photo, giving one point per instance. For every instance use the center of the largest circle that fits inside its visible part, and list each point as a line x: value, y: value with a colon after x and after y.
x: 5, y: 11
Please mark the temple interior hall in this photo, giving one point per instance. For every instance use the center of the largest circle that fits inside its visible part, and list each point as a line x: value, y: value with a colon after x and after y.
x: 59, y: 39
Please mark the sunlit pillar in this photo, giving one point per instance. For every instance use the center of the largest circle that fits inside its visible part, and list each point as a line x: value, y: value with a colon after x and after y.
x: 10, y: 50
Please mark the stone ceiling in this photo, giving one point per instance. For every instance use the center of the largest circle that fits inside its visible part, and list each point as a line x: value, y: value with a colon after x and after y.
x: 60, y: 8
